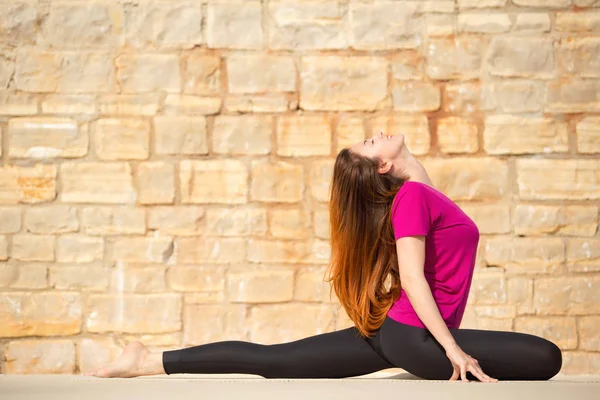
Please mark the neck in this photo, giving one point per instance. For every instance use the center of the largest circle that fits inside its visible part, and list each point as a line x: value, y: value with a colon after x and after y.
x: 411, y: 167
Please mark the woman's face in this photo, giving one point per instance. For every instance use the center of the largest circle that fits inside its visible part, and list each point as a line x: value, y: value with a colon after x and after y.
x: 386, y: 148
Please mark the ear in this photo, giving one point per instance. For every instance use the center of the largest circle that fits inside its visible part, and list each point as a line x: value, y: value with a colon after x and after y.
x: 384, y: 167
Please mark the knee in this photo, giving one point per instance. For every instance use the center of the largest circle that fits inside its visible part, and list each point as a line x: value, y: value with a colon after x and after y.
x: 550, y: 359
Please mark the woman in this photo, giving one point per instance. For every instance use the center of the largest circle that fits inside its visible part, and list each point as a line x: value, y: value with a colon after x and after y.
x: 388, y: 225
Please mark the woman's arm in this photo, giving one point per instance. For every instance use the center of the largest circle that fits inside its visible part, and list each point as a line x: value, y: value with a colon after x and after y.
x: 411, y: 264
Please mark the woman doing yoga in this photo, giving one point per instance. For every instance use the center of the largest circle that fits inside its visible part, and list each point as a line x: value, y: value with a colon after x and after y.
x: 389, y: 226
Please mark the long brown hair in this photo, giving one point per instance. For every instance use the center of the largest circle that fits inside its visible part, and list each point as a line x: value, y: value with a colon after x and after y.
x: 363, y: 251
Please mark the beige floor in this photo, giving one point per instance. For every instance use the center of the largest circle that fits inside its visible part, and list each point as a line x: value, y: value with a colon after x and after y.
x: 246, y: 387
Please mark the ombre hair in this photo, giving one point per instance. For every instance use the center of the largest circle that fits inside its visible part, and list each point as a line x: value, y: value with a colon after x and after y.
x: 364, y: 265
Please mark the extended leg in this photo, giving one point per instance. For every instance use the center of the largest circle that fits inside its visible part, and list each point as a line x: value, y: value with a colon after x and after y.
x: 338, y: 354
x: 501, y: 355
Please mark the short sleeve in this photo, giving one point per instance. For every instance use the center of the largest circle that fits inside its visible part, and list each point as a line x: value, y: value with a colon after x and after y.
x: 410, y: 212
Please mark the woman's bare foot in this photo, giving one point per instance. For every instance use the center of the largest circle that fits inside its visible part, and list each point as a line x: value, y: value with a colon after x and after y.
x: 136, y: 360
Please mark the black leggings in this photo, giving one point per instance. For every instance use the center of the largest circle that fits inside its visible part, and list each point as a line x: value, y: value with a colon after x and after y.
x: 344, y: 353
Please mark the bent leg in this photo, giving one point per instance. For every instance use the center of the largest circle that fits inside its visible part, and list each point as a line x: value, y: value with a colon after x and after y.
x: 338, y: 354
x: 501, y: 355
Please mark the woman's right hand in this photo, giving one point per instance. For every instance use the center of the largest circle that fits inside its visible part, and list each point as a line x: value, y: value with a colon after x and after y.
x: 463, y: 363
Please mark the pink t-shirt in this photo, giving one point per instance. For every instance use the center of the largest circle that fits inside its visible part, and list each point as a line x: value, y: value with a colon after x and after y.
x: 450, y: 250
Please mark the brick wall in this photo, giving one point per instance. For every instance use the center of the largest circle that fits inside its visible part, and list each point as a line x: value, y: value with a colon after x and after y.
x: 166, y: 164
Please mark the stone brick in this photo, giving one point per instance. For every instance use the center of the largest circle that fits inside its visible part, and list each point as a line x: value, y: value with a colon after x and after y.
x: 407, y: 66
x: 576, y: 295
x: 583, y: 255
x: 227, y: 322
x: 579, y: 363
x: 139, y: 73
x: 20, y: 275
x: 83, y: 26
x: 277, y: 182
x: 349, y: 130
x: 180, y: 135
x: 513, y: 96
x: 7, y: 69
x: 95, y: 182
x: 571, y: 179
x: 580, y: 21
x: 415, y: 130
x: 588, y: 135
x: 29, y: 185
x: 536, y: 22
x: 155, y: 249
x: 490, y: 218
x: 505, y: 134
x: 19, y: 23
x: 66, y: 72
x: 321, y: 175
x: 440, y: 25
x: 463, y: 97
x: 573, y: 96
x: 156, y: 182
x: 242, y: 135
x: 454, y: 58
x: 236, y: 221
x: 177, y: 104
x: 122, y: 139
x: 311, y: 285
x: 299, y: 136
x: 307, y: 25
x: 40, y: 314
x: 261, y: 103
x: 46, y: 138
x: 457, y: 135
x: 146, y: 104
x: 520, y: 293
x: 40, y: 357
x: 559, y: 330
x: 96, y: 353
x: 18, y: 103
x: 487, y: 177
x: 201, y: 73
x: 113, y: 220
x: 138, y: 278
x: 271, y: 324
x: 10, y: 219
x: 79, y: 278
x: 196, y: 278
x: 134, y: 313
x: 481, y: 23
x: 342, y: 320
x: 51, y: 219
x: 213, y: 181
x: 462, y: 4
x: 179, y: 221
x: 555, y: 220
x: 194, y: 250
x: 259, y: 284
x: 489, y: 287
x: 293, y: 252
x: 580, y: 57
x: 235, y: 25
x: 526, y: 57
x: 3, y: 248
x: 161, y: 339
x: 290, y: 223
x: 165, y: 25
x: 384, y: 25
x: 321, y: 224
x: 204, y: 298
x: 79, y: 248
x: 343, y: 83
x: 27, y: 247
x: 526, y: 255
x: 588, y: 333
x: 68, y: 104
x: 251, y: 73
x: 543, y: 3
x: 416, y: 96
